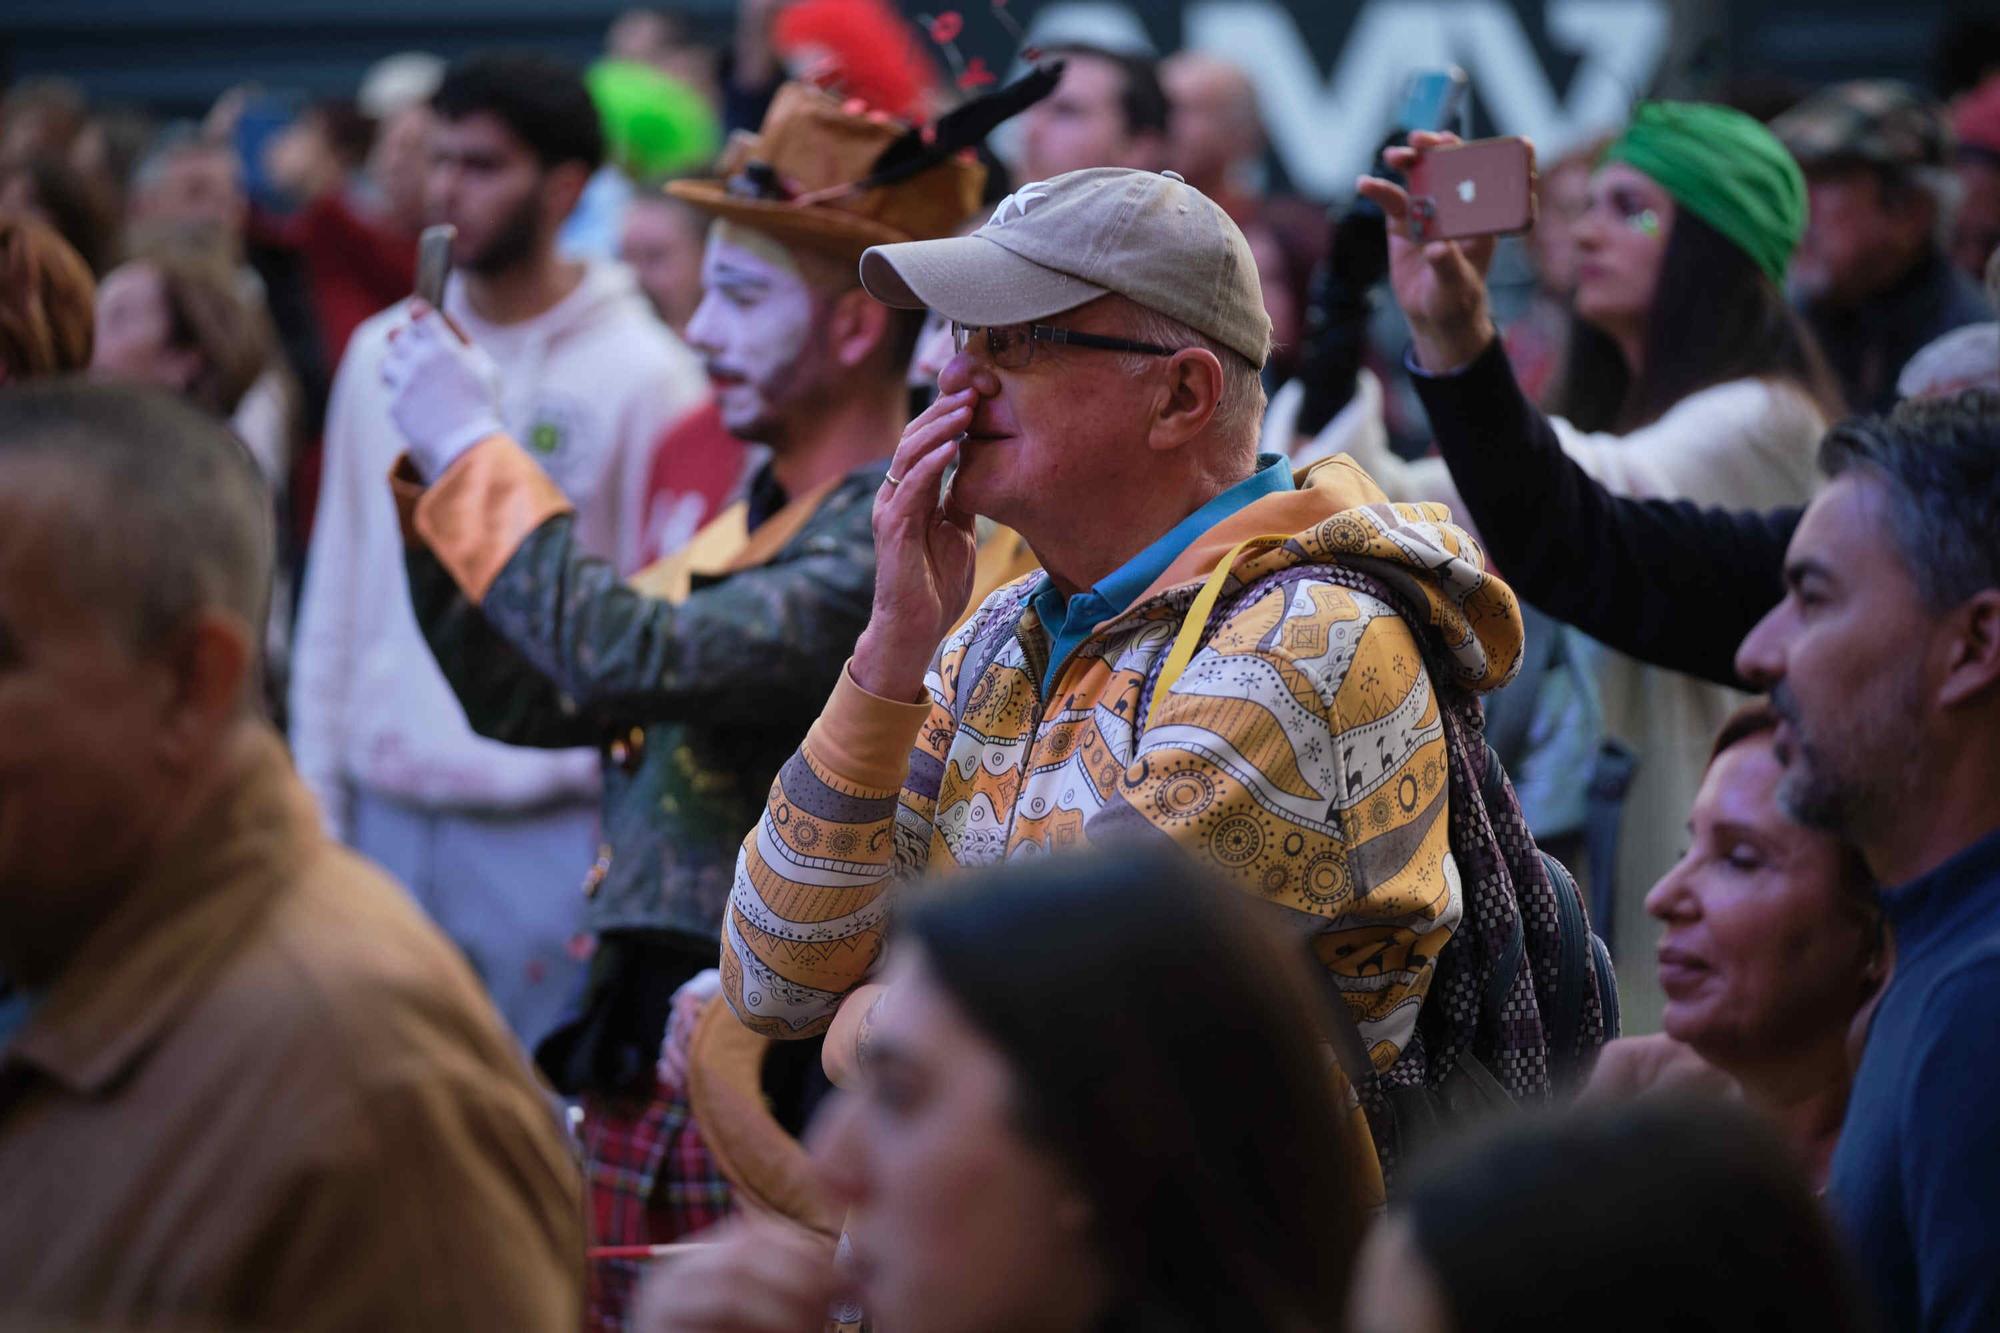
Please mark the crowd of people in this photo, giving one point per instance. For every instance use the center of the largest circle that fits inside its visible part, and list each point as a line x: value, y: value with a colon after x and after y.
x: 858, y: 727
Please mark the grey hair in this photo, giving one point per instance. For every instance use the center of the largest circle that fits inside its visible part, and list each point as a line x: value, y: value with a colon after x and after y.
x: 1239, y: 417
x: 172, y: 515
x: 1938, y: 460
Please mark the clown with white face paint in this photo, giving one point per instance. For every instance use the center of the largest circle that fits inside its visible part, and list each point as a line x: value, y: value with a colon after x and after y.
x: 699, y: 675
x: 753, y: 329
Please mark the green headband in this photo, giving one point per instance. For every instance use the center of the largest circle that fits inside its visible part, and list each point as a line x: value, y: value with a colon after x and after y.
x: 1726, y: 169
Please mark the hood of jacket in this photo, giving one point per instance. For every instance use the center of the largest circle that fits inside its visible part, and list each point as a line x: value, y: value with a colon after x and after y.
x: 1338, y: 515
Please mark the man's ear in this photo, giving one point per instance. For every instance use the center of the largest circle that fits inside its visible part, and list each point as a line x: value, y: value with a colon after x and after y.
x: 1189, y: 396
x: 562, y: 186
x: 1972, y: 664
x: 856, y: 325
x: 209, y: 664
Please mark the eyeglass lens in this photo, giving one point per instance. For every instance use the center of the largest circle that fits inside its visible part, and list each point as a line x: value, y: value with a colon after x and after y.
x: 1010, y: 347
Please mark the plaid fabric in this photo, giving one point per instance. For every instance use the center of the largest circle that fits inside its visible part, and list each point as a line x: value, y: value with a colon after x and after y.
x: 1878, y: 121
x: 652, y: 1181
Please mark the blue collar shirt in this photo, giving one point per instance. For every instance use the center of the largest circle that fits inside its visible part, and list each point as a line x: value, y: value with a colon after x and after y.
x: 1069, y: 621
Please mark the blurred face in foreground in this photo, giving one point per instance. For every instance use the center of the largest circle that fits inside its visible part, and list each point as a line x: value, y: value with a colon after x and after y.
x: 957, y: 1221
x: 80, y: 716
x: 1765, y: 952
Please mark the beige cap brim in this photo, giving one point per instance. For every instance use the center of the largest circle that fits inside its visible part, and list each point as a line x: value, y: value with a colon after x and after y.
x: 971, y: 280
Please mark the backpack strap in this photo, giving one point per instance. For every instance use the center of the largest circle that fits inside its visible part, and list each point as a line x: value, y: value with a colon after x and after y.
x: 1188, y: 641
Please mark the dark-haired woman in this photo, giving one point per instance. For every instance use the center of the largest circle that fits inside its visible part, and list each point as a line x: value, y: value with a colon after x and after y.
x: 1096, y: 1099
x: 1689, y: 378
x: 1648, y: 1218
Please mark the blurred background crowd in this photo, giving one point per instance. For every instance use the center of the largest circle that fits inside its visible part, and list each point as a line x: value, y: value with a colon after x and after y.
x: 245, y: 203
x: 220, y: 204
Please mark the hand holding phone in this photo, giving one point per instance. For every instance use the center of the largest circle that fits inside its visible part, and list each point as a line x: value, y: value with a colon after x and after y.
x: 1482, y: 188
x: 1439, y: 282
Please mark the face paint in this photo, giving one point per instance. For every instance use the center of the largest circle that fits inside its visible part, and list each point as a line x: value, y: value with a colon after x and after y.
x: 752, y: 329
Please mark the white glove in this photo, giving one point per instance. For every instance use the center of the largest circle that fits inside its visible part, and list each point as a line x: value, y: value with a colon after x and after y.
x: 444, y: 393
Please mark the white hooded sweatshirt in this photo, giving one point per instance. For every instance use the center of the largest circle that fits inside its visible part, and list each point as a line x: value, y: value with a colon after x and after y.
x: 588, y: 387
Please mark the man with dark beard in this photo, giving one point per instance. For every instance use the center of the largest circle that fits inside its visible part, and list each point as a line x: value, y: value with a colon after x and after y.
x: 491, y: 839
x: 1884, y: 662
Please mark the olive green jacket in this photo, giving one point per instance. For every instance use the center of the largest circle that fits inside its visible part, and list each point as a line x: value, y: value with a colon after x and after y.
x: 694, y: 699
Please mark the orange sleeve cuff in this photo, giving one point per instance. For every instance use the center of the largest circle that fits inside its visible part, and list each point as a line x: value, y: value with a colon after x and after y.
x: 864, y: 738
x: 477, y: 514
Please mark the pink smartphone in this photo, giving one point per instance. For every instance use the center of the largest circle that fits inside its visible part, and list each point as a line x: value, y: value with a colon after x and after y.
x: 1482, y: 188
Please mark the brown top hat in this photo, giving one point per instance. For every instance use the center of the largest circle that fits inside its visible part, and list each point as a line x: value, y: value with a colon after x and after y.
x: 803, y: 178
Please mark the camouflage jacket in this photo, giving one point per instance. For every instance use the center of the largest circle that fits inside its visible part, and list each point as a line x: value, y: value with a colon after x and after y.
x: 694, y: 701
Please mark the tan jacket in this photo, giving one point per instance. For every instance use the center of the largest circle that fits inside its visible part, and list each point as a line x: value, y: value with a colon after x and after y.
x: 267, y: 1094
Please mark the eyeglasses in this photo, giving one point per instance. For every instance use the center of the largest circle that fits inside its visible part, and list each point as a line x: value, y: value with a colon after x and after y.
x: 1012, y: 346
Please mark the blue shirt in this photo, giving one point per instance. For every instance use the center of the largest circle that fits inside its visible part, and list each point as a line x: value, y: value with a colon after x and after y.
x: 1069, y: 621
x: 1916, y: 1178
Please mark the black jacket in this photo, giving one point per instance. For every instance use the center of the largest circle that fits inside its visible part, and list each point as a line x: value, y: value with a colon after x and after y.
x: 1667, y: 581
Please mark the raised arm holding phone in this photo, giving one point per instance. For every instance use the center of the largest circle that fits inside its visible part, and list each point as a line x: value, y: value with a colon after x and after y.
x: 1540, y: 503
x: 1690, y: 379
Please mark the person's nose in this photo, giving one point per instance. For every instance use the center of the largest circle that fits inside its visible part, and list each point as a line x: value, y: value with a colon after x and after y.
x: 701, y: 334
x: 967, y: 371
x: 1673, y: 900
x: 1761, y: 657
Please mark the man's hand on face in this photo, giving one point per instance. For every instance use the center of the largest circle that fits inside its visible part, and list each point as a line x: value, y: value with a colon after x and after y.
x: 925, y: 547
x: 444, y: 393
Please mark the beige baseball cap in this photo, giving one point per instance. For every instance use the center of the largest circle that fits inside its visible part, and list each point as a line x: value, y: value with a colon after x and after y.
x: 1052, y: 245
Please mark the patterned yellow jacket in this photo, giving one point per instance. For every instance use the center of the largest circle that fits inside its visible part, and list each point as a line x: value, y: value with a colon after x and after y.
x: 1300, y: 755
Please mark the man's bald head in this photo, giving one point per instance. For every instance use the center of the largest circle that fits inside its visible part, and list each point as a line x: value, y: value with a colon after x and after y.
x: 160, y: 511
x: 1213, y: 127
